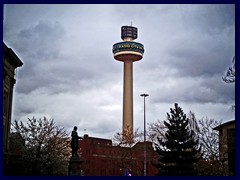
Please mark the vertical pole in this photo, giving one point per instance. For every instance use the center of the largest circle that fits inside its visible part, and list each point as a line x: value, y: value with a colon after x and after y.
x: 145, y: 141
x: 145, y: 150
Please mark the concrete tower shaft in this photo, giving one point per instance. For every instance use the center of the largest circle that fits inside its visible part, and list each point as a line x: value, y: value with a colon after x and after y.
x: 128, y: 99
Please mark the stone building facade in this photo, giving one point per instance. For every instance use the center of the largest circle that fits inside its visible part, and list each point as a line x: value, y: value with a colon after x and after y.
x: 10, y: 63
x: 227, y: 144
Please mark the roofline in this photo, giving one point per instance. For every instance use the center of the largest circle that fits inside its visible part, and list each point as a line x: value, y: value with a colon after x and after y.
x: 224, y: 124
x: 17, y: 62
x: 97, y: 138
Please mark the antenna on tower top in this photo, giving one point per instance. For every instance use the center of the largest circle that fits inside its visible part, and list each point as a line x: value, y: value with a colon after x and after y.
x: 131, y: 23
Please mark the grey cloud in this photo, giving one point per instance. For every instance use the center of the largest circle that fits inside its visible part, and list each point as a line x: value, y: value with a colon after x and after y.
x: 194, y: 62
x: 45, y: 67
x: 196, y: 56
x: 104, y: 126
x: 39, y: 38
x: 69, y: 72
x: 209, y: 18
x: 201, y: 90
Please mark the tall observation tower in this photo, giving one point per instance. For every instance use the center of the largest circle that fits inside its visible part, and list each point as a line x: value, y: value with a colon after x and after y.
x: 128, y: 52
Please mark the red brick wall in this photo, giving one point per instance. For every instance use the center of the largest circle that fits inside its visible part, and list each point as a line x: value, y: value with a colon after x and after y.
x: 100, y: 158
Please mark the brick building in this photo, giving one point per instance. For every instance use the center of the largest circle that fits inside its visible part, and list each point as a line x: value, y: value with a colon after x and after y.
x: 227, y: 144
x: 101, y: 158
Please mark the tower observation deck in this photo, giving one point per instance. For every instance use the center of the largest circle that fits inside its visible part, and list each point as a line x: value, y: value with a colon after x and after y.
x: 128, y: 52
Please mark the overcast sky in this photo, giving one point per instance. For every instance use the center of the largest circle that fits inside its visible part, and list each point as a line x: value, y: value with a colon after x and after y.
x: 69, y: 72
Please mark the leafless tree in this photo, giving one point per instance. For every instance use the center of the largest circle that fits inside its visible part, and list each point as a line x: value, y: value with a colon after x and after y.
x: 230, y: 74
x: 127, y: 139
x: 46, y: 147
x: 209, y: 138
x: 229, y: 77
x: 125, y: 142
x: 156, y: 130
x: 211, y: 163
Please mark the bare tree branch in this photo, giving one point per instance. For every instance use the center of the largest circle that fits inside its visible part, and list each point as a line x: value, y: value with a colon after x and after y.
x: 230, y: 74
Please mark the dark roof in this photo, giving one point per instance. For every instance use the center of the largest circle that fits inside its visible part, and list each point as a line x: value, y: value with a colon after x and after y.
x: 9, y: 52
x: 224, y: 124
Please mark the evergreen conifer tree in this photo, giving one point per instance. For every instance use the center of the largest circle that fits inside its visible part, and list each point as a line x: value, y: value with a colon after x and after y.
x: 180, y: 149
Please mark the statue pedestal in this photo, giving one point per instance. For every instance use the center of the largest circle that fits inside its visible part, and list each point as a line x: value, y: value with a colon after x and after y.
x: 75, y: 166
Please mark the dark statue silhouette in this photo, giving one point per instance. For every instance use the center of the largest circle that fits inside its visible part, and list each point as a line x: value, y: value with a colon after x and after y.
x: 74, y: 142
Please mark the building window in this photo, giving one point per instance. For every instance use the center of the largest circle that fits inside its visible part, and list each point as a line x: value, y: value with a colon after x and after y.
x: 231, y: 150
x: 5, y: 105
x: 220, y: 132
x: 87, y: 162
x: 103, y: 172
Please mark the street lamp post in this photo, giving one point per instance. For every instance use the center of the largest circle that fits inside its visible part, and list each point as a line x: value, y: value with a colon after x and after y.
x: 145, y: 151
